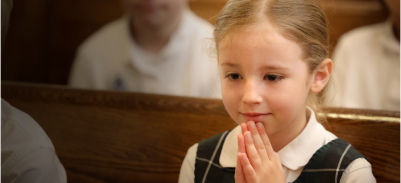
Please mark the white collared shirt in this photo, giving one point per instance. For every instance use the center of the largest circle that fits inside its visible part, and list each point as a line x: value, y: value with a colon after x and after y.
x: 294, y: 156
x: 111, y: 60
x: 367, y: 69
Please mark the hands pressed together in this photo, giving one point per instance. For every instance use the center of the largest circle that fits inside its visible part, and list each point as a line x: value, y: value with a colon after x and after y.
x: 256, y: 160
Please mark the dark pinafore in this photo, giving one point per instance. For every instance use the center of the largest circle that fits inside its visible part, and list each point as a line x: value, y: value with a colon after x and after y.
x: 326, y: 165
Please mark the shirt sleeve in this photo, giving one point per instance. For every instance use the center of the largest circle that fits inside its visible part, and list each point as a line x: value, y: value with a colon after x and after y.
x: 187, y: 172
x: 359, y: 171
x: 39, y: 166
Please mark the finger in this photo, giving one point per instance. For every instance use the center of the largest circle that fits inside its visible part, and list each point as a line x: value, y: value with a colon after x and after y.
x: 278, y: 161
x: 252, y: 153
x: 239, y: 173
x: 257, y: 140
x: 266, y: 141
x: 244, y: 128
x: 247, y: 169
x: 241, y: 143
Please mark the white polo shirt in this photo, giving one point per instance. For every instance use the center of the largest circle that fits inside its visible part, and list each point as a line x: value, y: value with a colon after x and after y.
x: 294, y: 156
x: 367, y: 69
x: 27, y: 154
x: 111, y: 60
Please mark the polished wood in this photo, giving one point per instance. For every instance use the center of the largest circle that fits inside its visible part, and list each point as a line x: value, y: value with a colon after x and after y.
x: 45, y: 34
x: 107, y: 136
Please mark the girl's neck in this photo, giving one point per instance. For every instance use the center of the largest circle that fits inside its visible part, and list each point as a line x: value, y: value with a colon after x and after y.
x: 283, y: 137
x: 153, y: 38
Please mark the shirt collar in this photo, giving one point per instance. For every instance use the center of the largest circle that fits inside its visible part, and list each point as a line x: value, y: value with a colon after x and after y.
x: 228, y: 156
x: 294, y: 155
x: 298, y: 152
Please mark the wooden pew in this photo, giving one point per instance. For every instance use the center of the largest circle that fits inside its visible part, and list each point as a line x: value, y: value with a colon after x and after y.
x: 104, y: 136
x: 45, y: 34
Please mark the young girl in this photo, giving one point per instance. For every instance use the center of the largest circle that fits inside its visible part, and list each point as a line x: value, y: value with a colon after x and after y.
x: 273, y: 64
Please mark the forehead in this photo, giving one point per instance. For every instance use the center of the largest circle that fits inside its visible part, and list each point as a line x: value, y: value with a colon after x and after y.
x: 261, y: 41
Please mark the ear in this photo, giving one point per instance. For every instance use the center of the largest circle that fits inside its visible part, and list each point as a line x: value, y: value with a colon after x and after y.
x: 321, y: 75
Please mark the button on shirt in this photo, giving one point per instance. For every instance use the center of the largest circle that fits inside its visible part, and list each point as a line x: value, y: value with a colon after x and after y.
x: 367, y: 69
x: 112, y: 60
x: 294, y: 156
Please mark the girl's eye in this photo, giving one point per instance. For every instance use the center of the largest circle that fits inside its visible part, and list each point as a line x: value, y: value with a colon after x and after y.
x: 272, y: 77
x: 233, y: 76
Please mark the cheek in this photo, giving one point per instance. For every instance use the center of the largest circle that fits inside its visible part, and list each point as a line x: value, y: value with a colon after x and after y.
x: 230, y: 97
x: 289, y: 97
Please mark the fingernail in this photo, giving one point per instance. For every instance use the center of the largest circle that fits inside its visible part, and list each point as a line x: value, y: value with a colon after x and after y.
x: 260, y: 125
x: 248, y: 135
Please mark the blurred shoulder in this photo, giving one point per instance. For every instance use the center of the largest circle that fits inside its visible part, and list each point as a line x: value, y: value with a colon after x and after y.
x: 362, y: 35
x: 359, y: 170
x: 19, y: 130
x: 27, y: 153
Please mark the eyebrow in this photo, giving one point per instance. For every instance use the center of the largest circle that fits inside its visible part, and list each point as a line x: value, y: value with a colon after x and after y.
x: 265, y: 67
x: 275, y: 67
x: 229, y: 64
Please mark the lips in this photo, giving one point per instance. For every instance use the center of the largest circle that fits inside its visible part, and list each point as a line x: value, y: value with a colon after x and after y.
x: 256, y: 117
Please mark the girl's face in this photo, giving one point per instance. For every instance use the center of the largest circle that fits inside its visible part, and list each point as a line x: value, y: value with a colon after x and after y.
x: 264, y: 79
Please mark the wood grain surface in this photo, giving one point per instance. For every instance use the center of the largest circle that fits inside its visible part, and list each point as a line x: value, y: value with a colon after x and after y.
x: 103, y: 136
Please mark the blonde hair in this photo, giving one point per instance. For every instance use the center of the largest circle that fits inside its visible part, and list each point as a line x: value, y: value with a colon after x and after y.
x: 302, y: 21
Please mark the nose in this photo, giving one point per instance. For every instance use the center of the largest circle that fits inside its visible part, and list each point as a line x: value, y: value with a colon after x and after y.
x: 252, y: 94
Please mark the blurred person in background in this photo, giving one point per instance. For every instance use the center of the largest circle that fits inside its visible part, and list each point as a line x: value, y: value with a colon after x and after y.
x: 367, y: 65
x: 158, y: 47
x: 27, y: 153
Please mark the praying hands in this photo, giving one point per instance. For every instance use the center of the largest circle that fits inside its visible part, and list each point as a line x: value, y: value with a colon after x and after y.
x: 256, y: 160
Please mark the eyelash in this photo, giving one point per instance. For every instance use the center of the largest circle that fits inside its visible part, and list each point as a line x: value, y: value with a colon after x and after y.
x: 230, y: 76
x: 275, y: 77
x: 270, y: 77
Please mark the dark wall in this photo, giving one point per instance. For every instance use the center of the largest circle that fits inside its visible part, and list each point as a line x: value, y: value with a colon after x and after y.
x: 44, y: 34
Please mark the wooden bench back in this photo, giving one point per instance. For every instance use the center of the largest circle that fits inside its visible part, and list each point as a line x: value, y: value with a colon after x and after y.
x: 103, y: 136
